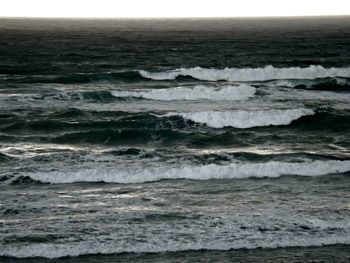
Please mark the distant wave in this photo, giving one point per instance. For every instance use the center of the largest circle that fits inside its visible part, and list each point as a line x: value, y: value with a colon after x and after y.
x: 209, y: 74
x: 75, y: 78
x: 244, y: 119
x: 198, y: 92
x: 249, y: 74
x: 270, y: 169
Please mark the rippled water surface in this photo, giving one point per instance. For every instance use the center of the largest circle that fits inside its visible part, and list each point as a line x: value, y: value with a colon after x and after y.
x: 178, y: 140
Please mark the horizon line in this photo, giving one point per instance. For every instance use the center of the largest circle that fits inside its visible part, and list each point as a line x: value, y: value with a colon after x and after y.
x: 169, y: 17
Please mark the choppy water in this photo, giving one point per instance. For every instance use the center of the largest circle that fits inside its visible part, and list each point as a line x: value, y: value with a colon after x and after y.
x: 175, y: 136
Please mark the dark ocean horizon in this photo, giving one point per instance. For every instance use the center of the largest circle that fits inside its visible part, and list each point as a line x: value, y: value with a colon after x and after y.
x: 175, y: 140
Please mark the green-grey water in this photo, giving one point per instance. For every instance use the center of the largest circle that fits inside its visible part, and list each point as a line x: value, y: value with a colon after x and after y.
x: 184, y: 140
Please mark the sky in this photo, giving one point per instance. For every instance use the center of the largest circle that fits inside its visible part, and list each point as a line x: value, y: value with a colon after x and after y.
x: 171, y: 8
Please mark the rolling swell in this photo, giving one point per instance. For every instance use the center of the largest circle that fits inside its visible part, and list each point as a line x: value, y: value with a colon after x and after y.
x: 325, y: 120
x: 327, y: 85
x: 121, y: 137
x: 75, y: 119
x: 75, y: 126
x: 77, y: 78
x: 196, y: 73
x: 92, y: 120
x: 323, y: 84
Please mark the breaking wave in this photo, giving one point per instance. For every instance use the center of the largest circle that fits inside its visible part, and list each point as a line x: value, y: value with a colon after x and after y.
x: 244, y: 119
x: 92, y: 248
x: 270, y: 169
x: 198, y: 92
x: 250, y: 74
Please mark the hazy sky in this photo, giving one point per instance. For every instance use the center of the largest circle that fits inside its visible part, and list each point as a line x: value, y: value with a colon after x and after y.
x: 171, y: 8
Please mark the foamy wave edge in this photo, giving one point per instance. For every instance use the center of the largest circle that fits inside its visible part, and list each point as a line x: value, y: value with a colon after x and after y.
x: 93, y: 248
x: 197, y: 92
x: 250, y: 74
x: 270, y: 169
x: 244, y: 119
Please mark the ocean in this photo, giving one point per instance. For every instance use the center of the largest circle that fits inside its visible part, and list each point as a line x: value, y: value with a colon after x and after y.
x: 175, y: 140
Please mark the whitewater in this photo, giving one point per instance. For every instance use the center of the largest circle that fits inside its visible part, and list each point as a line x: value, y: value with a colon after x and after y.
x: 250, y: 74
x: 195, y: 93
x: 175, y: 140
x: 244, y: 119
x: 271, y: 169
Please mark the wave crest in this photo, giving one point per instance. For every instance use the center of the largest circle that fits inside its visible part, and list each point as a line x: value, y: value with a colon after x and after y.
x: 244, y: 119
x: 198, y: 92
x: 270, y: 169
x: 250, y: 74
x: 52, y: 251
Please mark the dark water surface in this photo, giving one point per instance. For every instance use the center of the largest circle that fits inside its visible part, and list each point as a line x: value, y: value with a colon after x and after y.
x: 193, y: 140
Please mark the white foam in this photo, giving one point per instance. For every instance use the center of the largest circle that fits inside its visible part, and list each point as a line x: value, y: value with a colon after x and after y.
x: 270, y: 169
x: 244, y: 119
x: 165, y: 245
x: 250, y: 74
x: 195, y: 93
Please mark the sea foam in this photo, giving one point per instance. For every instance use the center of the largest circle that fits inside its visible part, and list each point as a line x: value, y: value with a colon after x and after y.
x: 250, y: 74
x: 195, y: 93
x: 244, y: 119
x: 161, y: 245
x: 270, y: 169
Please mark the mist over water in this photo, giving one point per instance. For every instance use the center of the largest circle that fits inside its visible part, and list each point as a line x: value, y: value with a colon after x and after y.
x: 182, y: 138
